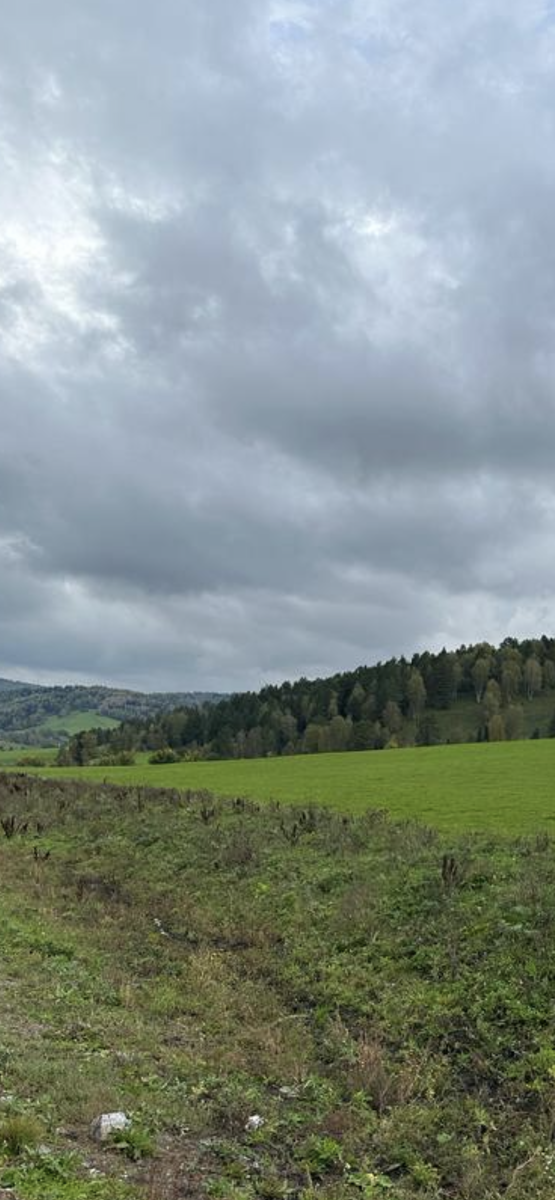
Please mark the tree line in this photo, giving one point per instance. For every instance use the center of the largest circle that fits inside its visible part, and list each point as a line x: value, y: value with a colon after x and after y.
x: 25, y: 708
x: 395, y: 703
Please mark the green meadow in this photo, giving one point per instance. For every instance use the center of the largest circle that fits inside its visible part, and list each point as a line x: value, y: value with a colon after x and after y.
x: 12, y: 756
x: 76, y: 722
x: 505, y: 787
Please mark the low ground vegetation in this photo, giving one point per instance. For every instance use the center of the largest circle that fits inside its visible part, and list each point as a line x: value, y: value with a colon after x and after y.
x: 287, y: 1002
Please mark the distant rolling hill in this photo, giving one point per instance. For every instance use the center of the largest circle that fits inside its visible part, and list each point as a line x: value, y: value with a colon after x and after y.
x: 34, y: 714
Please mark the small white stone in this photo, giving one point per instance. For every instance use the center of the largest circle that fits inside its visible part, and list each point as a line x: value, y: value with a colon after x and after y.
x: 107, y: 1124
x: 255, y: 1122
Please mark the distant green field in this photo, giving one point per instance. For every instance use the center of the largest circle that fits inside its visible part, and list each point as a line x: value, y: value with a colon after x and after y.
x: 12, y: 756
x: 75, y: 722
x: 505, y: 787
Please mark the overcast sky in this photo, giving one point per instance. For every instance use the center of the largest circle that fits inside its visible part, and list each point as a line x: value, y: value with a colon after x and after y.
x: 277, y: 334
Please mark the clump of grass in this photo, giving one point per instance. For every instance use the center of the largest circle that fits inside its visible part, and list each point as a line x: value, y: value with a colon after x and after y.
x: 19, y: 1133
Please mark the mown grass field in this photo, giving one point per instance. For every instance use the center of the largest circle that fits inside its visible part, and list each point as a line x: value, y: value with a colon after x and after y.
x: 507, y: 787
x: 11, y: 756
x: 378, y: 996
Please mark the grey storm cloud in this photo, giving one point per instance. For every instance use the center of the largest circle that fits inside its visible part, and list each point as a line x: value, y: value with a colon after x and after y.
x: 277, y: 296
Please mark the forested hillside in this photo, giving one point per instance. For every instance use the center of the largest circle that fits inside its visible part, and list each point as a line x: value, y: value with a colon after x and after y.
x: 475, y: 693
x: 31, y: 714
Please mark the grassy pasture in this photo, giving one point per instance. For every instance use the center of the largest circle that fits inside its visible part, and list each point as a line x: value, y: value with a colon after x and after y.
x: 11, y: 756
x: 504, y: 787
x: 76, y: 722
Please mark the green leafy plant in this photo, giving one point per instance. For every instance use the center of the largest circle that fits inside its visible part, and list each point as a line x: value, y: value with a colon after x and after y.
x: 135, y: 1142
x: 320, y: 1155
